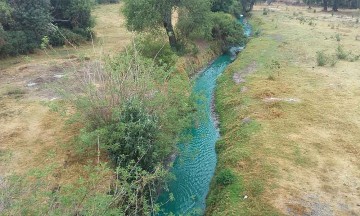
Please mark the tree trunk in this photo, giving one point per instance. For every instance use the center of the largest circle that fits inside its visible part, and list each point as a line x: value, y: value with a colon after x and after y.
x: 336, y: 5
x: 325, y: 5
x: 170, y: 30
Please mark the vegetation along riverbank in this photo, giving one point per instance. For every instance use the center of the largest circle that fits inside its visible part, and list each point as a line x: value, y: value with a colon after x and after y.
x: 289, y: 117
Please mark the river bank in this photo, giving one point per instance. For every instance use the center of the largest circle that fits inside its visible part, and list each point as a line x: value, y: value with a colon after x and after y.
x: 288, y: 127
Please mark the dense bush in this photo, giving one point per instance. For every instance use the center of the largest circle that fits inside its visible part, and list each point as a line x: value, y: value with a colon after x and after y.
x: 225, y: 177
x: 226, y: 30
x: 23, y: 23
x: 133, y: 136
x: 233, y: 7
x: 107, y: 1
x: 153, y: 48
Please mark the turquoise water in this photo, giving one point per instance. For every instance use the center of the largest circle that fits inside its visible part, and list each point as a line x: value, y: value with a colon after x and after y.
x: 195, y: 165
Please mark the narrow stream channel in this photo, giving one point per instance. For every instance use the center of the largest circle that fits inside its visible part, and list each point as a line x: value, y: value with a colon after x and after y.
x: 195, y: 166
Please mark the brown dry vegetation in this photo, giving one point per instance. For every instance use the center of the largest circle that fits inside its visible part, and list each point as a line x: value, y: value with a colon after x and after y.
x: 31, y: 135
x: 303, y: 158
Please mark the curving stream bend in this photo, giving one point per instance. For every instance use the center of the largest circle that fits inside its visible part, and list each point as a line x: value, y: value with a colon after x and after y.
x: 195, y: 166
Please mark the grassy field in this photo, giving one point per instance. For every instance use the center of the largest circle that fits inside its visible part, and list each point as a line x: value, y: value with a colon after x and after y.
x: 290, y: 133
x: 31, y: 135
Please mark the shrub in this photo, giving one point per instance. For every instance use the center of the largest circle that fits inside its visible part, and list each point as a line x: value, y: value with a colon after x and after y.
x: 333, y: 61
x: 133, y: 136
x: 107, y: 1
x: 337, y: 36
x: 161, y: 52
x: 321, y: 58
x: 340, y: 53
x: 265, y: 11
x: 227, y: 30
x: 225, y: 177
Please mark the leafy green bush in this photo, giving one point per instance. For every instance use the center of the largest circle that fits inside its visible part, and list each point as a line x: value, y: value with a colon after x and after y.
x: 161, y: 52
x: 107, y: 1
x: 227, y: 6
x: 18, y: 42
x: 227, y: 30
x: 225, y: 177
x: 133, y: 136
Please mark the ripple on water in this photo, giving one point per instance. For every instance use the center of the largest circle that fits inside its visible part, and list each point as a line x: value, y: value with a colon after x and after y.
x: 195, y: 165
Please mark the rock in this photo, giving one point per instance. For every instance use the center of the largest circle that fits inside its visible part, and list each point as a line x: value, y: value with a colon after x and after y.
x: 243, y: 89
x: 289, y: 100
x: 238, y: 79
x: 246, y: 120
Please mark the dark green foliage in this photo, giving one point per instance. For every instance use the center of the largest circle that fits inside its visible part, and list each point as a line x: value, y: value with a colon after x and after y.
x: 152, y: 48
x: 228, y: 6
x: 23, y: 24
x: 133, y: 137
x: 61, y: 36
x: 194, y: 19
x: 227, y: 30
x: 150, y: 15
x: 107, y: 1
x: 225, y: 177
x: 18, y: 42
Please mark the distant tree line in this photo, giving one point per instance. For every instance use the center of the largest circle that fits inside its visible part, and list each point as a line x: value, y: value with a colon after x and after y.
x: 207, y: 19
x: 25, y: 23
x: 334, y: 4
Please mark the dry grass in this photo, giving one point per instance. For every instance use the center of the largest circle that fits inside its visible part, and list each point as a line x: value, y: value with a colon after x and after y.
x: 32, y: 136
x: 305, y: 153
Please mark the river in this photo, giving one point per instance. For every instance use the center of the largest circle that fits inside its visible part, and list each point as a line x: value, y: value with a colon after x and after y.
x: 195, y: 165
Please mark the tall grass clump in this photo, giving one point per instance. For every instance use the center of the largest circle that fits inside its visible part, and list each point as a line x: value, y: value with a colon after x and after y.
x: 340, y: 53
x: 321, y: 58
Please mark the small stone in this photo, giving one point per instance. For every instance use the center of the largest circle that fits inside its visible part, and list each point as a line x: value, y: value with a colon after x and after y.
x: 243, y: 89
x: 31, y: 84
x: 245, y: 197
x: 246, y: 120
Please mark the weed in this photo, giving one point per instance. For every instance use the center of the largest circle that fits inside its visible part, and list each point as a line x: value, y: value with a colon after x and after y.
x: 314, y: 11
x: 256, y: 187
x: 357, y: 37
x: 340, y: 53
x: 337, y: 36
x: 321, y: 58
x: 271, y: 77
x: 265, y: 11
x: 333, y: 61
x: 332, y: 26
x: 357, y: 20
x: 257, y: 32
x: 225, y: 177
x: 15, y: 91
x: 311, y: 23
x: 302, y: 20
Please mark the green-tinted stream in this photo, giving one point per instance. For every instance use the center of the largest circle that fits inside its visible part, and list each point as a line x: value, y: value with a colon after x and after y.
x: 195, y: 165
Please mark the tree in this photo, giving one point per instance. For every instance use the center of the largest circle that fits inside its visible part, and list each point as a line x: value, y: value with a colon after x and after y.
x: 335, y: 5
x: 228, y: 6
x: 325, y: 2
x: 31, y: 16
x: 227, y: 30
x: 247, y: 5
x: 149, y: 15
